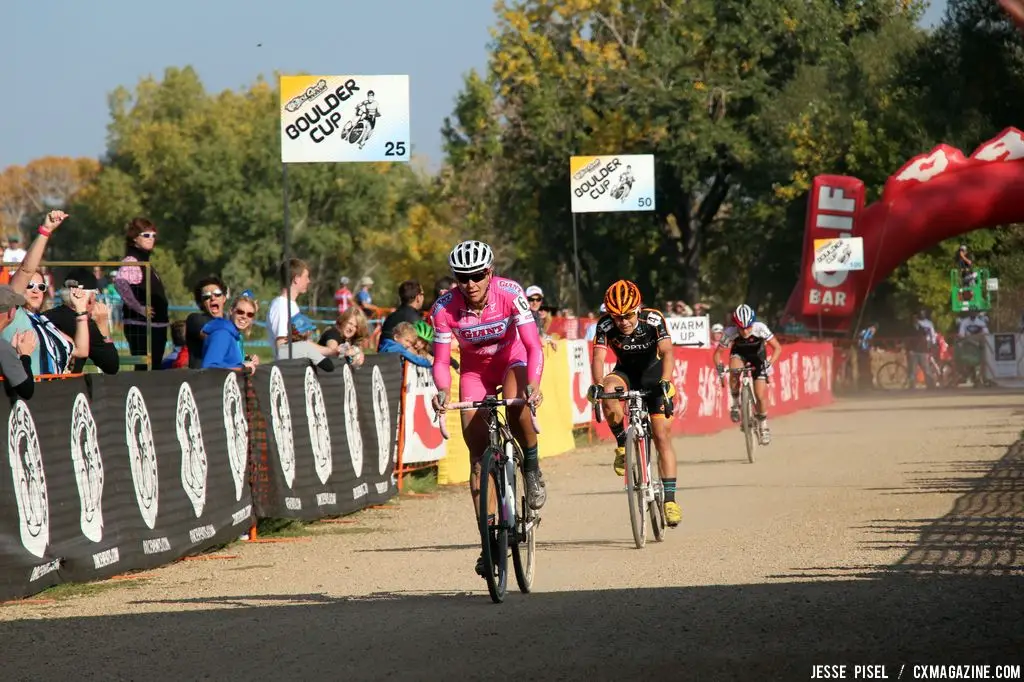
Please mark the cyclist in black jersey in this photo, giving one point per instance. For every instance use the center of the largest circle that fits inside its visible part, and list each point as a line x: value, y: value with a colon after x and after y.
x: 643, y: 360
x: 747, y: 341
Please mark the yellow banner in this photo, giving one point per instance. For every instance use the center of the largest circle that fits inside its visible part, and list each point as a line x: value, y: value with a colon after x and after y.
x: 554, y: 418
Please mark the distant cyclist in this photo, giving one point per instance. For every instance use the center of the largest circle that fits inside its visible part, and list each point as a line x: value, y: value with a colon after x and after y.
x: 643, y: 360
x: 492, y: 322
x: 746, y: 340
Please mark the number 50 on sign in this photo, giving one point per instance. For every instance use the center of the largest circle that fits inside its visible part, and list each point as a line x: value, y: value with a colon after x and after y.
x: 327, y: 119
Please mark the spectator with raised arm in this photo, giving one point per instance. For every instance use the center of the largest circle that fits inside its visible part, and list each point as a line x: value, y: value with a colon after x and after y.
x: 132, y: 283
x: 55, y: 350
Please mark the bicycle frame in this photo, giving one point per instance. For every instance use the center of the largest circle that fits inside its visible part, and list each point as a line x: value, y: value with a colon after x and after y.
x: 639, y: 420
x: 650, y: 495
x: 508, y: 529
x: 751, y: 426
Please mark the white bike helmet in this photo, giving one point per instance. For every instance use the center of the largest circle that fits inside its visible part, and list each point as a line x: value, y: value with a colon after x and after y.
x: 470, y: 256
x: 743, y: 316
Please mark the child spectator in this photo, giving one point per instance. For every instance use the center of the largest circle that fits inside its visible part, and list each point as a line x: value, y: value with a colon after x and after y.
x: 178, y: 358
x: 402, y: 343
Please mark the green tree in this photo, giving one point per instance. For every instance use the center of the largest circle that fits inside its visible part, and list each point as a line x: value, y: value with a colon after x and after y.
x: 206, y: 169
x: 699, y: 85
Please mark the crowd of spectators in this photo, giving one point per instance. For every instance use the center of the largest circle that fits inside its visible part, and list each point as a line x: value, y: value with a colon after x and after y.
x: 51, y: 330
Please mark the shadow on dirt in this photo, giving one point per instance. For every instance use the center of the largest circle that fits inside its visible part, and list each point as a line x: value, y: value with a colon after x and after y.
x: 955, y: 597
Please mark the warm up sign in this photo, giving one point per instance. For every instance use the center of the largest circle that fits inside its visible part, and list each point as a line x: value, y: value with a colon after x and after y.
x: 612, y: 183
x: 344, y: 118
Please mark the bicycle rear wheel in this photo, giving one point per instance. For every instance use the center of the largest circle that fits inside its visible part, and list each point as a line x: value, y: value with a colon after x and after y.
x: 493, y: 532
x: 747, y: 419
x: 524, y: 543
x: 891, y: 375
x: 656, y: 507
x: 634, y: 489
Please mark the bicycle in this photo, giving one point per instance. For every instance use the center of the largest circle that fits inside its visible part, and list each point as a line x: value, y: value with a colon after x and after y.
x: 512, y: 527
x: 643, y: 481
x: 893, y: 375
x: 749, y: 423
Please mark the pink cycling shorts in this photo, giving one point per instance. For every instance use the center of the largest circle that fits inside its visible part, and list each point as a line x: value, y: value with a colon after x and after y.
x: 478, y: 380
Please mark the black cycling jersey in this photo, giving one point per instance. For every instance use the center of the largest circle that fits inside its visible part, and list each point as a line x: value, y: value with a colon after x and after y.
x: 639, y: 350
x: 750, y: 348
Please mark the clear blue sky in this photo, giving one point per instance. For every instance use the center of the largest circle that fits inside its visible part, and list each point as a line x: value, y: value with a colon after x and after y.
x: 60, y: 58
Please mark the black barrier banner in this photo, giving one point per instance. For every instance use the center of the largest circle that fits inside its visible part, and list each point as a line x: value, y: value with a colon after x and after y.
x: 180, y: 437
x: 378, y: 387
x: 339, y: 389
x: 34, y: 487
x: 300, y: 457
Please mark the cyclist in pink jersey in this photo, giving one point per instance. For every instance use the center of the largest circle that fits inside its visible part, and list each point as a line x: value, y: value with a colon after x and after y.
x: 496, y: 332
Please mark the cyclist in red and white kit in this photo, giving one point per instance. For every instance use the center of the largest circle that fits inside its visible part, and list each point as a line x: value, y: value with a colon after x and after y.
x: 500, y: 346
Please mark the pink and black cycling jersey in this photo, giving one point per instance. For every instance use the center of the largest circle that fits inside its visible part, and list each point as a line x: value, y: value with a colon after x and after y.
x: 501, y: 336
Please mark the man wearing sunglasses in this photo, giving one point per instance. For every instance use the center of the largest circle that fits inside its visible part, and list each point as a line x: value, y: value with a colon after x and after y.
x: 102, y: 350
x: 210, y: 297
x: 492, y: 322
x: 643, y: 360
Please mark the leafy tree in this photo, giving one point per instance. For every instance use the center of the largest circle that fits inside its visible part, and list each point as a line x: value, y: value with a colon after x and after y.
x: 725, y: 94
x: 206, y: 169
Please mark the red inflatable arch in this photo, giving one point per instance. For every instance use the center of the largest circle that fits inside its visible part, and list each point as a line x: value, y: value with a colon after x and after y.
x: 932, y: 197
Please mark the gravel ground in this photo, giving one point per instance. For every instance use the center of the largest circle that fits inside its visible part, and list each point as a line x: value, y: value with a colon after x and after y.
x: 885, y: 530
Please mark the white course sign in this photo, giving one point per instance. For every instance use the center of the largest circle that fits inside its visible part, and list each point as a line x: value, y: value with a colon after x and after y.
x: 327, y: 119
x: 612, y: 183
x: 690, y: 331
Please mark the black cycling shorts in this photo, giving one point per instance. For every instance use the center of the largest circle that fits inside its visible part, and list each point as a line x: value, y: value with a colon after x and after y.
x: 757, y: 362
x: 647, y: 379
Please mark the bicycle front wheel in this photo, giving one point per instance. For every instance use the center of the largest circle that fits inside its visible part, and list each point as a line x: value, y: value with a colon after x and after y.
x: 656, y: 507
x: 493, y: 529
x: 634, y: 488
x: 524, y: 543
x: 748, y: 420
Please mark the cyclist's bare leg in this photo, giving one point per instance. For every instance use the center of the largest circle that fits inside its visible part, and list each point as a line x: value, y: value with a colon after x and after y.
x: 474, y: 430
x: 761, y: 395
x: 614, y: 414
x: 613, y: 410
x: 521, y: 425
x: 519, y: 417
x: 761, y: 398
x: 661, y: 433
x: 735, y: 362
x: 661, y: 428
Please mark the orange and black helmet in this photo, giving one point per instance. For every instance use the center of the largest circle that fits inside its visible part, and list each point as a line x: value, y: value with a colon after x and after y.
x: 622, y: 298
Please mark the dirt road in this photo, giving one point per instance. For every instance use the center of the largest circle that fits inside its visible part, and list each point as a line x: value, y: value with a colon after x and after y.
x: 876, y: 531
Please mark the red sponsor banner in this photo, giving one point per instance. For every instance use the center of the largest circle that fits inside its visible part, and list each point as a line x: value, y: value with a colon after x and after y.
x: 833, y: 210
x: 932, y: 197
x: 802, y: 379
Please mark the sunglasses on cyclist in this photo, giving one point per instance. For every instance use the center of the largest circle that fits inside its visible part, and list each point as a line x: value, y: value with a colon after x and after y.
x: 474, y: 277
x: 628, y: 317
x: 207, y: 295
x: 246, y: 313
